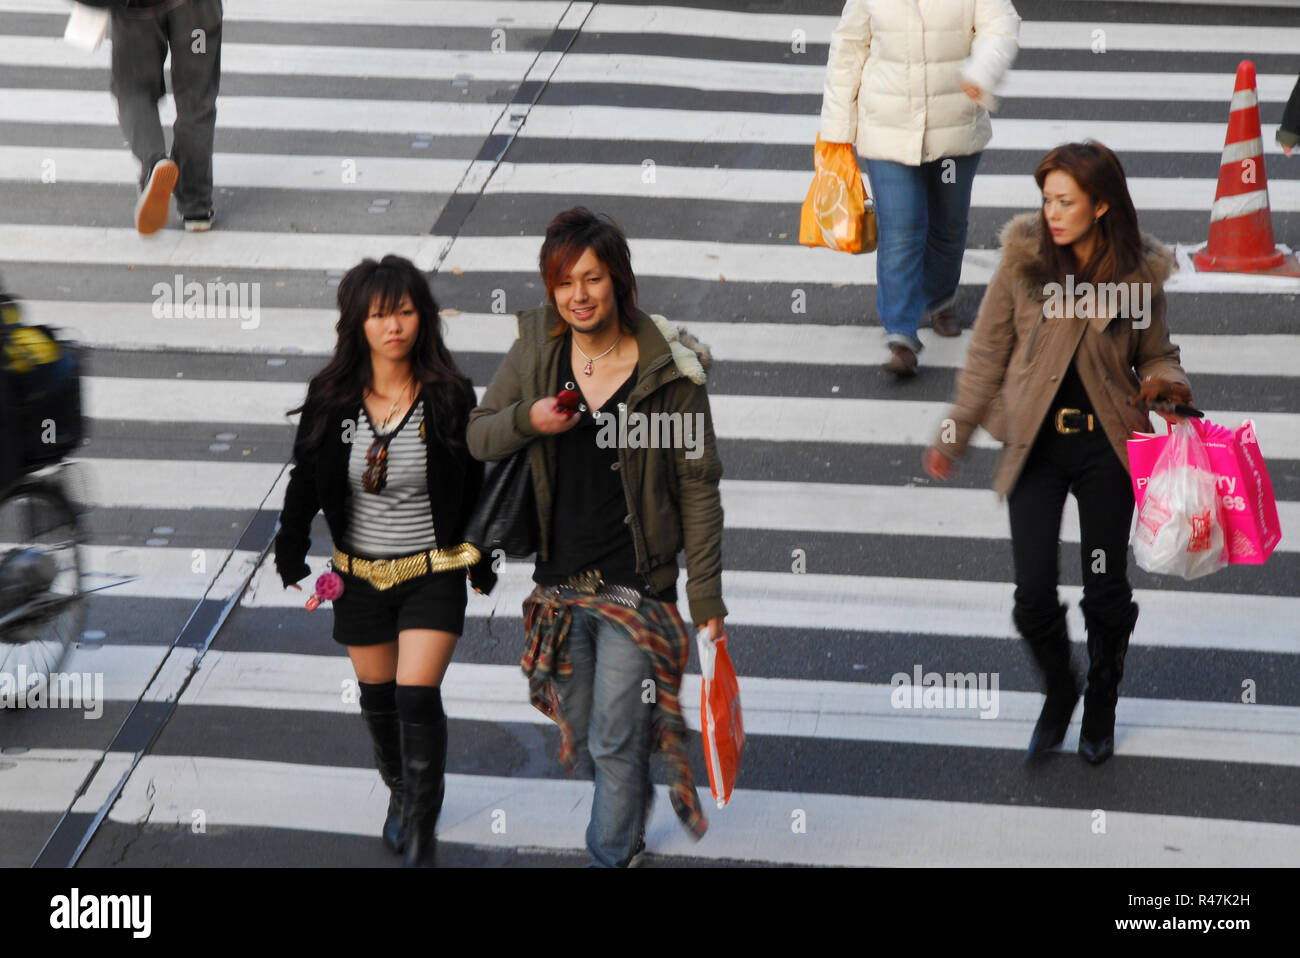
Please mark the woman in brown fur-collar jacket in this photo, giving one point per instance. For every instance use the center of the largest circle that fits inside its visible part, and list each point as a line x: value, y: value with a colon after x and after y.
x: 1069, y: 348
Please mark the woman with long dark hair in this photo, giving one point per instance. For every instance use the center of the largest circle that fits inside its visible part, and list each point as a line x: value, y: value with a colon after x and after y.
x: 381, y: 451
x: 1069, y: 350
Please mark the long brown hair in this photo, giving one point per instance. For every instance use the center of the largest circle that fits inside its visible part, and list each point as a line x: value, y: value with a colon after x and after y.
x: 568, y: 236
x: 1119, y: 241
x: 343, y: 381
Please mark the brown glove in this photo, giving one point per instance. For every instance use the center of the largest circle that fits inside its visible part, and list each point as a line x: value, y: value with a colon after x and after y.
x: 1160, y: 390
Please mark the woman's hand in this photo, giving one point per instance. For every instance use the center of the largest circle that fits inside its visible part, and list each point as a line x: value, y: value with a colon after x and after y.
x: 937, y: 465
x: 716, y: 631
x: 971, y: 90
x: 1154, y: 389
x: 549, y: 418
x: 294, y: 585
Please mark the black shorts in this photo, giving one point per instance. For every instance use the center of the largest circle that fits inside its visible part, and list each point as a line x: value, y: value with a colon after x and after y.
x: 363, y: 615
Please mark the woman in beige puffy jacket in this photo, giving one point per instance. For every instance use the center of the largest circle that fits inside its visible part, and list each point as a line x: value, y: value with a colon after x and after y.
x: 908, y: 82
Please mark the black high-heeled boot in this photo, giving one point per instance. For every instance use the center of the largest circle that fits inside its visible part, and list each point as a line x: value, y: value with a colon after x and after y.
x: 1049, y: 643
x: 1108, y: 637
x: 386, y: 735
x: 424, y: 758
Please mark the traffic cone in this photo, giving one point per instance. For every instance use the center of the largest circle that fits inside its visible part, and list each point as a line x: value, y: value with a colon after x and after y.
x: 1241, y: 229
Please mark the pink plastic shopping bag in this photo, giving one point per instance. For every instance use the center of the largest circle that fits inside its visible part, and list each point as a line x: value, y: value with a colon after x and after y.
x: 1179, y: 528
x: 720, y: 718
x: 1245, y: 491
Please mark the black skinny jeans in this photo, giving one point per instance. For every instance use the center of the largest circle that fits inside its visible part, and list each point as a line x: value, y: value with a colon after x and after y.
x: 1085, y: 464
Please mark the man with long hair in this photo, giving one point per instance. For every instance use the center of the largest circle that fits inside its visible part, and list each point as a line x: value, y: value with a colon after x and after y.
x: 606, y: 647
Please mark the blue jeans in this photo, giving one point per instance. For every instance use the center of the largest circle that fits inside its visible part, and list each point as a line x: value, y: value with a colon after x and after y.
x: 605, y: 702
x: 922, y: 222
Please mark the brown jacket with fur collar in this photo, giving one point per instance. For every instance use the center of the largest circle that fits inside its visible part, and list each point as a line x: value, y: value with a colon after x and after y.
x: 1027, y: 333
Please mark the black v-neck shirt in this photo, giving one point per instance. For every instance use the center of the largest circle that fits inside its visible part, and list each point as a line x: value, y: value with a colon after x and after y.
x: 588, y: 530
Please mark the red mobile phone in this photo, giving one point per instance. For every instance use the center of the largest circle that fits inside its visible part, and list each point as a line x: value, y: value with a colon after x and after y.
x: 568, y: 400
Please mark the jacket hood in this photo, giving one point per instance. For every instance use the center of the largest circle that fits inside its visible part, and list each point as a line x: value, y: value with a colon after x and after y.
x: 1020, y: 237
x: 692, y: 358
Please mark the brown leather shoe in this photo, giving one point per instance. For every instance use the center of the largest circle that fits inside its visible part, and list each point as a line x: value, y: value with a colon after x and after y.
x: 944, y: 323
x: 902, y: 361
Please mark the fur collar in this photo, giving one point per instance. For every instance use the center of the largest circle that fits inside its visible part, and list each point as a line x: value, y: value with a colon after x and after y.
x: 692, y: 357
x: 1020, y: 252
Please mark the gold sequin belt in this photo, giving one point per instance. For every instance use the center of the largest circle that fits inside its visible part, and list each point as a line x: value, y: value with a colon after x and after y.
x: 386, y: 573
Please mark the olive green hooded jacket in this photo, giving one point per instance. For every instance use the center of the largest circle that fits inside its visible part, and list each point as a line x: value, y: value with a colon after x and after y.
x: 673, y: 501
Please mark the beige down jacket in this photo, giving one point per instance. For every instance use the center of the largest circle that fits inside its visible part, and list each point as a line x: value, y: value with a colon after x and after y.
x: 894, y: 74
x: 1018, y: 354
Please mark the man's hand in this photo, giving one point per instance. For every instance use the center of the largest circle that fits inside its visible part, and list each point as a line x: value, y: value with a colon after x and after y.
x: 549, y: 418
x: 716, y: 631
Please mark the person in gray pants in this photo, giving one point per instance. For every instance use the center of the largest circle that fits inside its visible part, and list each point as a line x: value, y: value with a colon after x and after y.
x: 143, y: 30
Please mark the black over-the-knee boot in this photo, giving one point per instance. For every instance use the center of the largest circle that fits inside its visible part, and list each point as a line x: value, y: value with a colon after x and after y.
x: 1109, y: 630
x: 379, y: 711
x: 1049, y: 642
x: 424, y: 760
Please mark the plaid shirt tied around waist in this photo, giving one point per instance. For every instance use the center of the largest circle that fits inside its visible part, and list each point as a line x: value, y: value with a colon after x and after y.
x: 659, y: 632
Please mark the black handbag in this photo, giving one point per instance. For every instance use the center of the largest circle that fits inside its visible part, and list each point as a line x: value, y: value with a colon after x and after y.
x: 505, y: 518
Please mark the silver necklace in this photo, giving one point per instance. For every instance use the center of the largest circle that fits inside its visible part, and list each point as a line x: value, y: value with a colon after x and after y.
x: 587, y: 369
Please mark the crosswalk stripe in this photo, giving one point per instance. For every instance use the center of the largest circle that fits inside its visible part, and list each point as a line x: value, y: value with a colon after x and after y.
x: 749, y: 503
x: 697, y: 73
x: 311, y: 332
x: 276, y: 59
x: 315, y: 252
x: 364, y: 174
x: 515, y: 15
x: 813, y: 601
x: 682, y: 259
x: 847, y: 711
x: 851, y: 711
x: 769, y: 418
x: 1034, y: 34
x: 598, y: 123
x: 397, y: 175
x: 594, y: 123
x: 97, y: 108
x: 756, y: 825
x: 990, y: 190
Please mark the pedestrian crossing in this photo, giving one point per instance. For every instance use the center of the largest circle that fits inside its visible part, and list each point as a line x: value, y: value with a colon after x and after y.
x: 845, y: 567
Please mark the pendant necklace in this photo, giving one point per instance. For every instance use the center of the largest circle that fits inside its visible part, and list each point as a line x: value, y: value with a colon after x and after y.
x: 587, y: 369
x: 392, y: 410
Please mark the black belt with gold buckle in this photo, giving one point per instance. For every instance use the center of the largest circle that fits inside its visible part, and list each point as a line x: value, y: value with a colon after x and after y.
x: 591, y: 583
x: 1070, y: 421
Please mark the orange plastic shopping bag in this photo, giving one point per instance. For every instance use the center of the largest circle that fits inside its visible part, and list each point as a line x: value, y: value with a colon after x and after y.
x: 836, y: 212
x: 720, y: 718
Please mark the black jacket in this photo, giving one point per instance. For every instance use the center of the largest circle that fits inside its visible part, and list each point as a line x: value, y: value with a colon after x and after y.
x: 319, y: 482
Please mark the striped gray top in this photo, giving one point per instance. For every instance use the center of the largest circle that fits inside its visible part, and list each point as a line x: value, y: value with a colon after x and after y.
x: 398, y: 520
